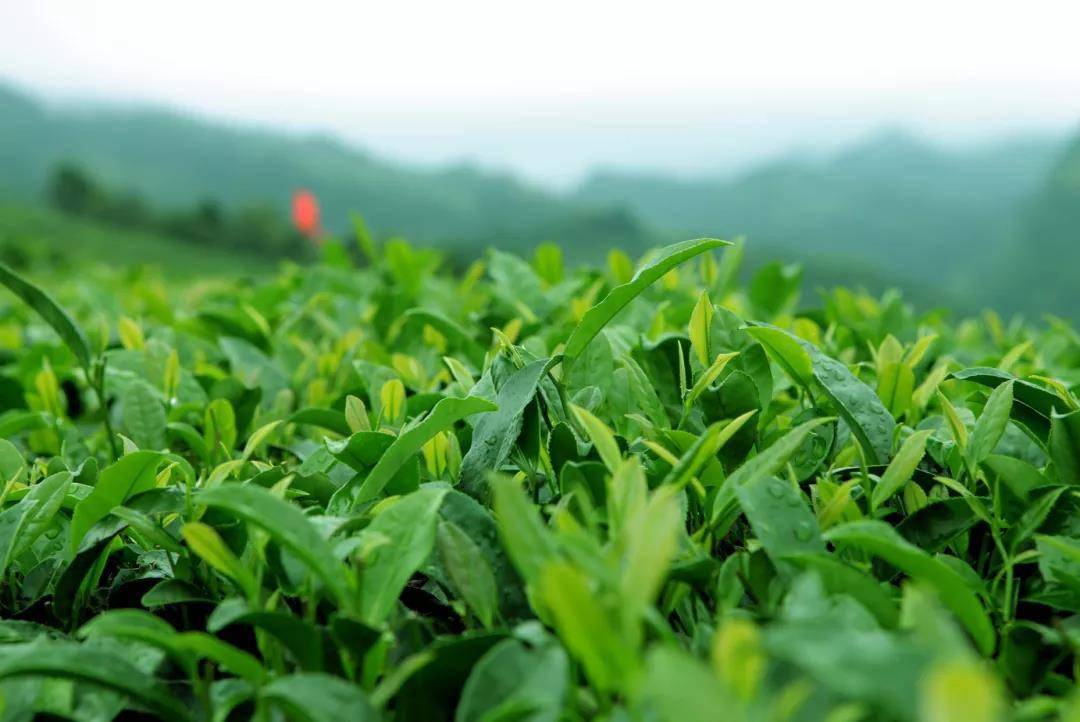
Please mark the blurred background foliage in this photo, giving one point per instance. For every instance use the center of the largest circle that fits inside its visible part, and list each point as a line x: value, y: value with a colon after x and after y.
x: 990, y: 225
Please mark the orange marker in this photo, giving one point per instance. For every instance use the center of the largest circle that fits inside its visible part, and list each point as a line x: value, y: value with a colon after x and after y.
x: 305, y: 214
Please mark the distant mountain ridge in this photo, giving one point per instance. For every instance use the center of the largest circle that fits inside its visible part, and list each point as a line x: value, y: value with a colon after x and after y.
x: 172, y: 159
x: 924, y: 214
x: 947, y: 225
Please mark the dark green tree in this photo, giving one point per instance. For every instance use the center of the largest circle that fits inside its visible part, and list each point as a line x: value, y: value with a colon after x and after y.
x: 73, y: 191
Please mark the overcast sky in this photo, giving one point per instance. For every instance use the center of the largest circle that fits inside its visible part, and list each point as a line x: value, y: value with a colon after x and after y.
x: 550, y: 89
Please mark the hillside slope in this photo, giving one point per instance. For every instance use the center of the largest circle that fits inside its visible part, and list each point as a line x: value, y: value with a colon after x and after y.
x: 914, y: 212
x: 1043, y: 261
x: 28, y: 232
x: 894, y: 210
x: 175, y: 160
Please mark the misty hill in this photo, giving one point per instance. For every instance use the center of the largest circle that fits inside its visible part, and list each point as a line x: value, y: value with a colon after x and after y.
x: 949, y: 226
x: 1045, y: 258
x: 173, y: 160
x: 915, y: 212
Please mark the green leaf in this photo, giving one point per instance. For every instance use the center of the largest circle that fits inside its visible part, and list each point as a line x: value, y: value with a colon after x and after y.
x: 781, y: 520
x: 840, y: 578
x: 707, y: 377
x: 356, y: 414
x: 1065, y: 446
x: 469, y: 571
x: 935, y: 525
x: 603, y: 439
x: 144, y: 415
x: 991, y: 424
x: 23, y: 523
x: 53, y: 314
x: 443, y: 416
x: 1032, y: 405
x: 896, y: 384
x: 1033, y: 517
x: 1018, y: 475
x: 326, y: 418
x: 775, y: 287
x: 139, y: 626
x: 527, y: 540
x: 479, y: 524
x: 12, y: 465
x: 257, y: 438
x: 548, y: 262
x: 900, y: 468
x: 643, y: 392
x: 700, y: 321
x: 786, y: 351
x: 209, y: 547
x: 90, y: 666
x: 765, y: 464
x: 652, y: 537
x: 682, y: 689
x: 409, y: 525
x: 219, y: 426
x: 287, y: 526
x: 302, y: 638
x: 172, y: 591
x: 224, y: 655
x: 704, y: 450
x: 512, y: 677
x: 455, y: 334
x: 599, y: 315
x: 317, y: 697
x: 588, y: 630
x: 125, y: 477
x: 15, y: 421
x: 880, y: 539
x: 856, y: 403
x: 495, y: 433
x: 1059, y: 560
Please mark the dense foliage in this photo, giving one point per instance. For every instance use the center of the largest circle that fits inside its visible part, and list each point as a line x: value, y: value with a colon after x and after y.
x: 387, y: 492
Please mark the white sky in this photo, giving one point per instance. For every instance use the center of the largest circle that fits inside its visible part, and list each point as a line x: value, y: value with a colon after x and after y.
x: 551, y: 88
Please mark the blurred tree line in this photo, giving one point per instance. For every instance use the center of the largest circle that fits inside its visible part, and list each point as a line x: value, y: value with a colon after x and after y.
x: 255, y: 227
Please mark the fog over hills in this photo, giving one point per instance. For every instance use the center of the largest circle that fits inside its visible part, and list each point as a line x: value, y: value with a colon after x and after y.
x: 881, y: 206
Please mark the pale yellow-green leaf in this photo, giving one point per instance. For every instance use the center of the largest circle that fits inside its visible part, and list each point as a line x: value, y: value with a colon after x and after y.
x: 959, y: 431
x: 1013, y: 355
x: 459, y: 372
x: 900, y: 468
x: 738, y: 658
x: 131, y: 335
x: 620, y: 266
x: 708, y: 376
x: 392, y: 402
x: 918, y: 351
x: 961, y: 688
x: 601, y: 436
x: 889, y: 352
x: 171, y: 377
x: 922, y: 395
x: 258, y: 437
x: 589, y: 630
x: 627, y: 493
x: 651, y: 535
x: 356, y: 415
x: 204, y: 541
x: 700, y: 322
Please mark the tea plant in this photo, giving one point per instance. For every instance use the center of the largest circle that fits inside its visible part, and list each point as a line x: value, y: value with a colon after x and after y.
x: 386, y: 492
